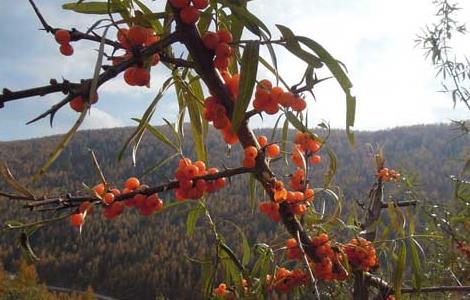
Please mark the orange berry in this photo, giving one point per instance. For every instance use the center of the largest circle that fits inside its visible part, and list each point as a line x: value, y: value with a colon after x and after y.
x: 291, y: 243
x: 230, y: 137
x: 137, y: 35
x: 99, y: 189
x: 223, y: 50
x: 151, y: 39
x: 210, y: 40
x: 122, y: 36
x: 62, y: 36
x: 299, y: 105
x: 313, y: 145
x: 201, y: 167
x: 76, y: 220
x: 117, y: 208
x: 141, y: 76
x: 272, y: 108
x: 276, y: 93
x: 286, y: 99
x: 66, y: 49
x: 190, y: 171
x: 77, y: 104
x: 189, y: 15
x: 129, y: 76
x: 315, y: 159
x: 264, y: 85
x: 233, y: 85
x: 309, y: 194
x: 132, y: 183
x: 224, y: 36
x: 179, y: 3
x: 200, y: 4
x: 108, y: 198
x: 251, y: 152
x: 220, y: 182
x: 221, y: 62
x: 115, y: 192
x: 273, y: 150
x: 262, y: 140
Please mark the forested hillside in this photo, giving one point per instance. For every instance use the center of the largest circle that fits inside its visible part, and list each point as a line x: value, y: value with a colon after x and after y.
x: 138, y: 257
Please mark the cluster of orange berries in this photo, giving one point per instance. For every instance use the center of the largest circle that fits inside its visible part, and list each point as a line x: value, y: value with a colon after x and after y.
x: 144, y: 203
x: 388, y: 175
x: 361, y: 253
x: 251, y: 152
x: 191, y: 188
x: 284, y: 280
x: 221, y: 290
x: 270, y: 209
x: 305, y: 145
x: 188, y: 13
x: 134, y: 39
x: 62, y: 37
x: 329, y: 267
x: 215, y: 112
x: 269, y: 99
x: 219, y: 43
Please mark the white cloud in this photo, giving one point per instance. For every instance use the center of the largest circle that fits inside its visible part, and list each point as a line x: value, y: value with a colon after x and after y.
x: 100, y: 119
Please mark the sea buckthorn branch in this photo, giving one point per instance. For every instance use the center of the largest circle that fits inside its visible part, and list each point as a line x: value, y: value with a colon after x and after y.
x: 400, y: 203
x: 67, y: 200
x: 54, y: 87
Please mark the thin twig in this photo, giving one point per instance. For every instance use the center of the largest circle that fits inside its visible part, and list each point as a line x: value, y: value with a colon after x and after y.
x: 307, y: 265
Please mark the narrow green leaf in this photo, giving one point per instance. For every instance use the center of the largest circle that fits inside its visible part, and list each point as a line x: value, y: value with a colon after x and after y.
x: 330, y: 173
x: 246, y: 250
x: 293, y: 46
x: 158, y: 165
x: 156, y: 25
x: 274, y: 132
x: 249, y: 69
x: 61, y: 146
x: 340, y: 75
x: 136, y: 137
x: 207, y: 279
x: 399, y: 271
x: 93, y: 7
x: 252, y: 22
x: 415, y: 265
x: 12, y: 182
x: 193, y: 216
x: 159, y: 135
x: 194, y: 96
x: 26, y: 246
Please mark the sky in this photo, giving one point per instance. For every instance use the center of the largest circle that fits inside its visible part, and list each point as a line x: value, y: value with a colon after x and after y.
x: 393, y: 83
